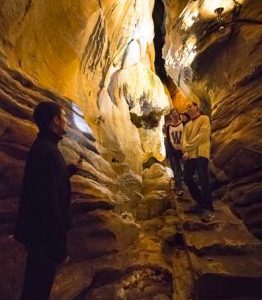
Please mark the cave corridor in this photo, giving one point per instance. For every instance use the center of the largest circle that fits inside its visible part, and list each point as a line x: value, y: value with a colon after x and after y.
x: 118, y: 67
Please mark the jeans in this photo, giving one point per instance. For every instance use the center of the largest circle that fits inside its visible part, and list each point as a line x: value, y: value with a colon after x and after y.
x: 176, y: 165
x: 39, y: 274
x: 202, y: 195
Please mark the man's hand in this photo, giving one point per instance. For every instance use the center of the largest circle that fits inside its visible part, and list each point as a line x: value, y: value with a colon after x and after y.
x: 79, y: 165
x: 75, y: 166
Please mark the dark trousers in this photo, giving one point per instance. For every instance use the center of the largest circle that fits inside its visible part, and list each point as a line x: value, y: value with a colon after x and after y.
x: 176, y: 166
x: 39, y: 274
x: 201, y: 195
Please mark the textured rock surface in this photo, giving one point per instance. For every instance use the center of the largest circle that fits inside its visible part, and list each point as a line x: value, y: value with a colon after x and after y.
x: 221, y: 68
x: 97, y: 59
x: 216, y: 260
x: 88, y: 52
x: 156, y: 191
x: 94, y: 187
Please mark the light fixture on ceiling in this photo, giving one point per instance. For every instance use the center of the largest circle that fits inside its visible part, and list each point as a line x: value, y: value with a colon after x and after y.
x: 235, y: 14
x: 218, y: 11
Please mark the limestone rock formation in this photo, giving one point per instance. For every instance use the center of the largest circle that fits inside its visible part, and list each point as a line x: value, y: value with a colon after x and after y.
x: 96, y: 59
x: 88, y: 52
x: 100, y: 232
x: 94, y: 187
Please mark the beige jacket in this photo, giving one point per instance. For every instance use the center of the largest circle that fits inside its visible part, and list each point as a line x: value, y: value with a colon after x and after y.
x: 196, y: 137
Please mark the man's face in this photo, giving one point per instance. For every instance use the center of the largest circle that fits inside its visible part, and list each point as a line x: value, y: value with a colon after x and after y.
x: 191, y: 108
x: 61, y: 123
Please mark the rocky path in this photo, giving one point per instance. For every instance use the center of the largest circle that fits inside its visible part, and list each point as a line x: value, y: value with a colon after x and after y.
x: 217, y: 260
x: 171, y: 256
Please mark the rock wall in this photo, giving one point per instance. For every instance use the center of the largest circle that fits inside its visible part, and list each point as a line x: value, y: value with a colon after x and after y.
x: 88, y: 52
x: 100, y: 241
x: 97, y: 59
x: 218, y: 63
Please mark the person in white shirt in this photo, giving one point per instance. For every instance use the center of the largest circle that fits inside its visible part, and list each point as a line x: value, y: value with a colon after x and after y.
x: 174, y: 139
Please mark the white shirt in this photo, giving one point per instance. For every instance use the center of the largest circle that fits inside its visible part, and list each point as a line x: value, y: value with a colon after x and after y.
x: 175, y: 135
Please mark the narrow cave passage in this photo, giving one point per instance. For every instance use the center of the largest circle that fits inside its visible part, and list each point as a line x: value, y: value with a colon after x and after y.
x: 117, y: 68
x: 159, y: 16
x: 198, y: 40
x: 159, y: 39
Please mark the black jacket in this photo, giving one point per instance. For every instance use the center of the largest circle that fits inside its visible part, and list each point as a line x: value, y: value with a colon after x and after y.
x: 43, y: 215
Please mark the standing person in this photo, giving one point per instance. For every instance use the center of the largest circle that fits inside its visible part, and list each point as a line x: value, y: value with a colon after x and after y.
x: 43, y: 215
x: 174, y: 137
x: 196, y: 148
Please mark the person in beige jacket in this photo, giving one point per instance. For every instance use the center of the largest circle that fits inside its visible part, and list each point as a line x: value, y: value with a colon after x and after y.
x: 196, y: 149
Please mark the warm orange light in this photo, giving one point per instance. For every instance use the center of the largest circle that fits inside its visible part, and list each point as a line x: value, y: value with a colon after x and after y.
x: 179, y: 102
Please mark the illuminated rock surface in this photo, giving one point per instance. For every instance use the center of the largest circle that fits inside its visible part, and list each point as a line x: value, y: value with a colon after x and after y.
x: 97, y: 59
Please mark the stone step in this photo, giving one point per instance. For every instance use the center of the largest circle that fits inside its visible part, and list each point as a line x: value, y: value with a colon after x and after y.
x: 226, y: 257
x: 225, y: 235
x: 193, y: 223
x: 224, y: 277
x: 225, y: 242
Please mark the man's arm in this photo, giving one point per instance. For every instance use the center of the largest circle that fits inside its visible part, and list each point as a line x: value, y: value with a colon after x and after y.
x: 72, y: 168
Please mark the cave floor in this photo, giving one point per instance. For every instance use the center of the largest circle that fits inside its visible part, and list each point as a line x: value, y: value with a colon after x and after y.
x: 216, y: 260
x: 176, y: 257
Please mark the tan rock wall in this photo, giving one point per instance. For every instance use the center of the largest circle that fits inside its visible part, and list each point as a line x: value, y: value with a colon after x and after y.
x: 76, y: 49
x: 96, y: 59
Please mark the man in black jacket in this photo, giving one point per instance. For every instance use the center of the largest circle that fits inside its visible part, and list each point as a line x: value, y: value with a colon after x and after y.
x: 43, y: 216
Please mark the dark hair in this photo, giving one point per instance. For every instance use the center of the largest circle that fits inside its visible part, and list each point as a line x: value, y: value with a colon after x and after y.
x: 173, y: 109
x: 44, y: 113
x: 194, y: 103
x: 168, y: 117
